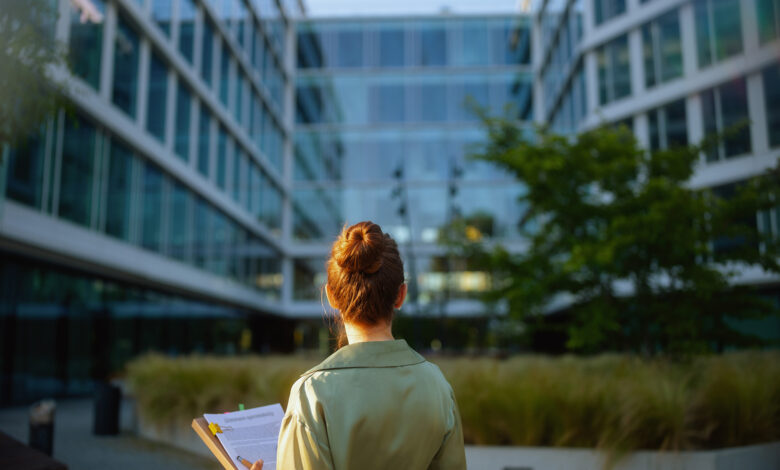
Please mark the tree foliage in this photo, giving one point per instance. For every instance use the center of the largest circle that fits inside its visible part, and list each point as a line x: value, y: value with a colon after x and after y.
x: 621, y: 243
x: 29, y: 54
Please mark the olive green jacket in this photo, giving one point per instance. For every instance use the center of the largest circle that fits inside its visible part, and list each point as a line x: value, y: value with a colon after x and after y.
x: 374, y: 405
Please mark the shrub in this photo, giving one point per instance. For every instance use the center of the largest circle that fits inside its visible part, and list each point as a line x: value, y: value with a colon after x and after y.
x: 614, y: 403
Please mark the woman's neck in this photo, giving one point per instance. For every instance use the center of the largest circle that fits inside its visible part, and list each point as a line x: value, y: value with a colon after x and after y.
x: 362, y: 334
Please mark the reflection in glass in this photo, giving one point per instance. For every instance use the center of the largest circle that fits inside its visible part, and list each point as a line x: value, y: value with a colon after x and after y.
x: 350, y: 47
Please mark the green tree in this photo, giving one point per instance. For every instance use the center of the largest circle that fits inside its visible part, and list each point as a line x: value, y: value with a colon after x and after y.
x: 616, y: 238
x: 30, y: 58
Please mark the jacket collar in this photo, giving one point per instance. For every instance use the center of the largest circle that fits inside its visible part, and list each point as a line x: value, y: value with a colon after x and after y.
x: 394, y: 353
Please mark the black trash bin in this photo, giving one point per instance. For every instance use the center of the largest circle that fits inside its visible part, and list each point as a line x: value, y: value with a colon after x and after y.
x: 42, y: 426
x: 107, y: 398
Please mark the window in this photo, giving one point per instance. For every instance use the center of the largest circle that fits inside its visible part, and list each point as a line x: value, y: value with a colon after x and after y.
x: 201, y: 222
x: 204, y: 132
x: 771, y: 77
x: 608, y: 9
x: 181, y: 230
x: 718, y: 30
x: 350, y: 47
x: 224, y: 75
x: 86, y: 41
x: 183, y: 106
x: 662, y: 49
x: 78, y: 167
x: 768, y: 20
x: 25, y: 169
x: 161, y: 12
x: 119, y: 197
x: 474, y: 36
x: 207, y: 53
x: 126, y: 53
x: 388, y: 103
x: 614, y: 70
x: 433, y: 46
x: 222, y: 158
x: 238, y: 104
x: 157, y: 97
x: 510, y: 44
x: 668, y: 126
x: 239, y: 169
x: 433, y: 103
x: 186, y: 28
x: 392, y: 47
x: 725, y: 110
x: 151, y: 235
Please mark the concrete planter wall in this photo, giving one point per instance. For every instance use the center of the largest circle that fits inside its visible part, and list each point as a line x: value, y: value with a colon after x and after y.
x: 757, y: 457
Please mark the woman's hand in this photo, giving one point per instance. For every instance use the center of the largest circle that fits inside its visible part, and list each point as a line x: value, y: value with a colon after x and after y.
x: 257, y: 465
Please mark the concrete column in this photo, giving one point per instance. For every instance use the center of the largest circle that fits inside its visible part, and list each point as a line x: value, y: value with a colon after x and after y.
x: 107, y: 54
x: 759, y: 139
x: 688, y: 39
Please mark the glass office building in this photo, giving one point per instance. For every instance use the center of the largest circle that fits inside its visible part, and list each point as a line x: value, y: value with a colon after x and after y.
x: 149, y: 216
x: 673, y: 71
x: 187, y: 200
x: 383, y: 129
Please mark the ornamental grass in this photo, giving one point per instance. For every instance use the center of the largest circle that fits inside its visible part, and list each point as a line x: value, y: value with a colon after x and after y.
x: 614, y: 403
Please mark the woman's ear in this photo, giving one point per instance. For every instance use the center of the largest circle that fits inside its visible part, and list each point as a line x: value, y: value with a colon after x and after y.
x: 401, y: 296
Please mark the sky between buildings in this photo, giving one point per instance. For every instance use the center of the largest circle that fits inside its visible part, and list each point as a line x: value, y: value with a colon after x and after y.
x: 320, y: 8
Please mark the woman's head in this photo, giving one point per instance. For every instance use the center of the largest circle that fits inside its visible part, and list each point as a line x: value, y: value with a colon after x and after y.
x: 365, y: 275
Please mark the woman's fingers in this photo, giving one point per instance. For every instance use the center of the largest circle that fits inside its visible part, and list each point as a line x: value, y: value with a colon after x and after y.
x: 257, y: 465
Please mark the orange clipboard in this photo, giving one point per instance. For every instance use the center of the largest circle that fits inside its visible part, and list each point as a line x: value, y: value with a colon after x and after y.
x: 201, y: 427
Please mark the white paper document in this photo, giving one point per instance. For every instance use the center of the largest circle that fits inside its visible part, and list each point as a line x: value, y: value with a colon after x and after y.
x: 251, y: 434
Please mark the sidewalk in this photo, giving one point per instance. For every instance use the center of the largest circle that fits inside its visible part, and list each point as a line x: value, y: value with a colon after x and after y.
x: 79, y: 449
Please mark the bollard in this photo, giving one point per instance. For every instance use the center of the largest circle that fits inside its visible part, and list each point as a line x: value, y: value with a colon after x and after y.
x: 42, y: 426
x: 107, y: 398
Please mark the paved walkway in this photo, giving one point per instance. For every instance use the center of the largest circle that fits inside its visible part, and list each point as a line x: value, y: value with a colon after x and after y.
x: 79, y: 449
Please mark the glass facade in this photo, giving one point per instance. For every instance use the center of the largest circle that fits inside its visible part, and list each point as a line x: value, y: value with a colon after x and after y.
x: 718, y: 30
x: 86, y: 45
x: 61, y: 330
x: 384, y: 126
x: 768, y: 14
x: 668, y: 126
x: 725, y: 112
x: 614, y: 70
x: 771, y: 77
x: 608, y: 9
x: 157, y: 97
x: 662, y: 49
x: 99, y: 180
